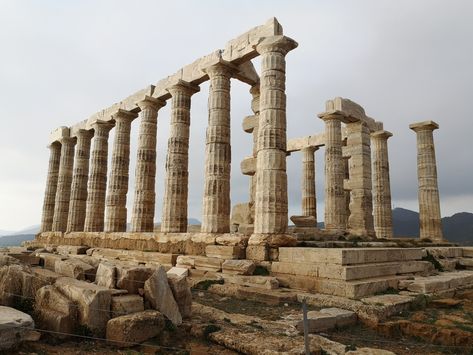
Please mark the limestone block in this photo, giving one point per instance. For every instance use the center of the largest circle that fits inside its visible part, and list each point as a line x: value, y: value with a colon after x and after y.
x: 126, y: 304
x: 445, y: 252
x: 49, y: 260
x: 273, y: 240
x: 132, y: 278
x: 15, y: 327
x: 185, y: 261
x: 159, y: 295
x: 92, y: 261
x: 304, y: 221
x: 233, y: 240
x: 448, y: 264
x: 28, y: 259
x: 16, y: 283
x: 135, y: 255
x: 182, y: 294
x: 93, y: 302
x: 75, y: 268
x: 106, y: 275
x: 238, y: 267
x: 265, y: 282
x: 178, y: 271
x: 248, y: 166
x: 6, y: 260
x: 46, y: 275
x: 135, y: 328
x: 466, y: 262
x: 328, y: 318
x: 468, y: 252
x: 224, y: 251
x: 72, y: 249
x: 208, y: 263
x: 257, y: 252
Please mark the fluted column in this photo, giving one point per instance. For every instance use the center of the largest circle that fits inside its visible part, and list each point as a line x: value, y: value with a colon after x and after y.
x: 177, y: 160
x: 142, y: 218
x: 117, y: 188
x: 255, y: 103
x: 382, y: 210
x: 97, y: 184
x: 63, y: 192
x: 335, y: 209
x: 360, y: 221
x: 429, y: 201
x: 216, y: 199
x: 51, y: 187
x: 309, y: 200
x: 80, y: 175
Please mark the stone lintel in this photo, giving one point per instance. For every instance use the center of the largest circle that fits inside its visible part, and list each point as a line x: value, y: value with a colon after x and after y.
x: 183, y: 85
x: 278, y: 43
x: 151, y: 101
x: 314, y: 141
x: 381, y: 134
x: 248, y: 166
x: 425, y: 125
x: 58, y: 134
x: 250, y: 123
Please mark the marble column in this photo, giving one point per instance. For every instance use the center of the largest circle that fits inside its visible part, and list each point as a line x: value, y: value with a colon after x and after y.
x: 309, y: 200
x: 142, y: 217
x: 97, y: 184
x: 271, y: 178
x: 177, y: 161
x: 382, y: 209
x: 51, y: 187
x: 216, y: 199
x: 360, y: 221
x: 117, y: 188
x: 63, y: 192
x: 335, y: 209
x: 255, y: 93
x: 429, y: 201
x: 80, y: 175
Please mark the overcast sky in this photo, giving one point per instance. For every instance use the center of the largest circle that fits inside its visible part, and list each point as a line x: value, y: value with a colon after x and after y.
x: 403, y: 61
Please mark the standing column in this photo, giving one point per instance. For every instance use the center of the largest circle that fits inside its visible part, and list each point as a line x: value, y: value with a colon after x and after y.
x: 335, y: 209
x: 63, y: 192
x: 429, y: 201
x: 95, y: 206
x: 382, y: 211
x: 271, y: 184
x: 255, y: 93
x: 115, y: 208
x: 142, y: 218
x: 309, y: 200
x: 177, y: 160
x: 360, y: 221
x: 80, y: 175
x: 216, y: 200
x: 51, y: 187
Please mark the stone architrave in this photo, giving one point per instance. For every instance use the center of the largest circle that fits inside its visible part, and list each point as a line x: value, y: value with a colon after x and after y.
x: 177, y: 171
x: 63, y: 192
x: 335, y: 209
x: 271, y: 184
x: 51, y: 187
x: 429, y: 201
x: 216, y: 199
x: 360, y: 221
x: 142, y: 218
x: 309, y: 199
x: 115, y: 208
x: 80, y: 175
x: 97, y: 184
x: 382, y: 210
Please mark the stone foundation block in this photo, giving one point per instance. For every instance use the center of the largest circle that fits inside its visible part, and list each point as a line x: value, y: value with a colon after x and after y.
x: 126, y: 304
x: 224, y: 251
x: 238, y: 267
x: 257, y: 252
x: 265, y: 282
x: 208, y: 263
x: 76, y: 269
x: 71, y: 249
x: 132, y: 278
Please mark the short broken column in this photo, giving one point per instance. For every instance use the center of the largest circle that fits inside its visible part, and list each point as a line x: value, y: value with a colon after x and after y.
x: 115, y: 208
x: 142, y: 218
x: 177, y: 161
x: 80, y: 176
x: 63, y: 192
x: 429, y: 201
x: 382, y: 210
x: 97, y: 184
x: 309, y: 199
x: 51, y: 187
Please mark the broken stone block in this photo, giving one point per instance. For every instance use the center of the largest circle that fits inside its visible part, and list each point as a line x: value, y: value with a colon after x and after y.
x: 232, y: 240
x: 304, y: 221
x: 126, y: 304
x: 178, y: 271
x: 71, y: 249
x: 158, y: 293
x: 238, y: 267
x: 49, y: 260
x: 208, y: 263
x: 28, y: 259
x: 46, y: 275
x: 132, y: 278
x: 224, y: 251
x: 15, y: 327
x: 6, y: 260
x: 106, y: 275
x: 266, y: 282
x: 75, y: 268
x: 326, y: 319
x: 135, y: 328
x: 182, y: 294
x: 185, y: 261
x: 257, y: 252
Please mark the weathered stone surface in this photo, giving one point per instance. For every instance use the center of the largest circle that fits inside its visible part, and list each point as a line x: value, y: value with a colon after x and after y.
x: 159, y: 295
x: 26, y: 258
x: 51, y: 187
x: 304, y: 221
x: 232, y: 240
x: 273, y: 240
x: 49, y: 260
x: 15, y: 327
x: 75, y: 268
x: 132, y: 278
x: 441, y: 282
x: 71, y: 249
x: 185, y: 261
x: 178, y: 271
x: 6, y: 260
x: 46, y: 275
x: 257, y: 252
x: 207, y: 263
x: 126, y: 304
x: 238, y: 267
x: 135, y: 328
x: 17, y: 282
x: 266, y: 282
x: 182, y: 294
x: 328, y: 318
x: 106, y: 275
x: 224, y: 251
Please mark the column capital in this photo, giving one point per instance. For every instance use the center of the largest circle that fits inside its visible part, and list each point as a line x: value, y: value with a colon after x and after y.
x: 281, y: 44
x: 67, y: 140
x: 124, y: 115
x: 221, y: 68
x: 151, y: 102
x: 183, y: 86
x: 310, y: 148
x: 84, y: 133
x: 101, y: 126
x: 424, y: 126
x: 331, y: 115
x: 381, y: 134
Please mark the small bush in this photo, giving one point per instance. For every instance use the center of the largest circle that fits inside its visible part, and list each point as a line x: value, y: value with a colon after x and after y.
x: 431, y: 259
x: 205, y: 284
x: 209, y: 329
x: 261, y: 271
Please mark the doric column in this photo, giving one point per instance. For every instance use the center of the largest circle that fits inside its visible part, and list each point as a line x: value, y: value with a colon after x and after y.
x: 142, y: 218
x: 51, y: 187
x: 335, y: 209
x: 216, y: 199
x: 309, y: 200
x: 115, y: 205
x: 255, y: 93
x: 63, y: 192
x: 382, y: 210
x: 97, y: 185
x: 177, y: 160
x: 429, y: 201
x: 360, y: 221
x: 80, y: 175
x: 271, y: 184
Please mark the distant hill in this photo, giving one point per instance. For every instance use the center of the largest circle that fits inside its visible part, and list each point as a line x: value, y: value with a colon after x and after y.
x: 14, y: 240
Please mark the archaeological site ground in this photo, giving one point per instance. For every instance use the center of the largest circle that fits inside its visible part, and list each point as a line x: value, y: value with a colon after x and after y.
x: 244, y: 281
